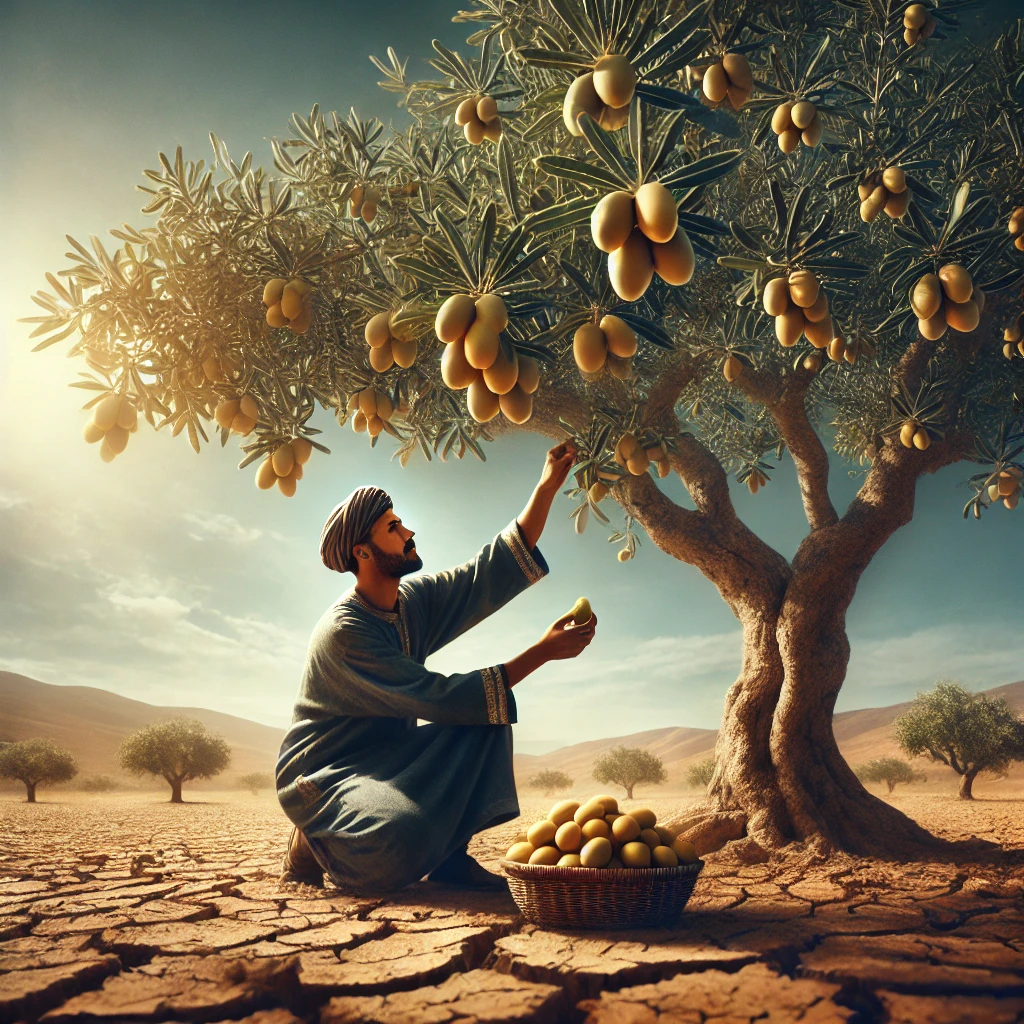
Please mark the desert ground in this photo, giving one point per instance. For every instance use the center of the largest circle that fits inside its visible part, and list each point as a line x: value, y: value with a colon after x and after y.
x: 122, y: 908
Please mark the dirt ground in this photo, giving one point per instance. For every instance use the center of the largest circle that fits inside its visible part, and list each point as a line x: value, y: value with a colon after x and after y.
x: 123, y: 908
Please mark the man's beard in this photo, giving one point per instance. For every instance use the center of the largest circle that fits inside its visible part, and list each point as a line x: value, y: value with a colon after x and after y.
x: 395, y: 566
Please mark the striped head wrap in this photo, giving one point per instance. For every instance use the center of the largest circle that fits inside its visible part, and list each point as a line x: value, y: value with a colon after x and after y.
x: 350, y: 524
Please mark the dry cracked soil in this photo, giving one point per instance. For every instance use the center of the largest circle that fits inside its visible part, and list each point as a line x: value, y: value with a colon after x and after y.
x: 127, y: 909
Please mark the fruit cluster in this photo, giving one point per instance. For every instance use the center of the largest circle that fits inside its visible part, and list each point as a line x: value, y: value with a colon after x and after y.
x: 797, y: 121
x: 595, y: 835
x: 385, y: 349
x: 884, y: 190
x: 288, y: 304
x: 604, y: 93
x: 593, y: 344
x: 913, y: 435
x: 918, y: 24
x: 642, y: 237
x: 218, y: 368
x: 239, y: 415
x: 284, y: 466
x: 729, y: 80
x: 800, y: 306
x: 473, y: 358
x: 1016, y: 227
x: 948, y: 299
x: 113, y: 419
x: 1014, y: 336
x: 756, y: 481
x: 1006, y: 487
x: 478, y: 118
x: 632, y: 455
x: 369, y: 409
x: 362, y: 202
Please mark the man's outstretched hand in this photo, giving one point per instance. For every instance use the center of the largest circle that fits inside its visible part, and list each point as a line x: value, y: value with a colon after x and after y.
x: 557, y: 465
x: 567, y: 639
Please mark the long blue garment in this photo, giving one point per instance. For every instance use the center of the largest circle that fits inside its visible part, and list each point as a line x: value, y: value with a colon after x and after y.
x: 381, y: 800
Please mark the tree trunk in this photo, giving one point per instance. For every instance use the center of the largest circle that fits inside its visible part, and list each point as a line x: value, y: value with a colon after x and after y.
x: 31, y: 789
x: 966, y: 782
x: 629, y: 792
x: 891, y: 785
x: 175, y: 791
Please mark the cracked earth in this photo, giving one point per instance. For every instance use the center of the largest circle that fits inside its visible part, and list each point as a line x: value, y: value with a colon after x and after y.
x: 125, y: 909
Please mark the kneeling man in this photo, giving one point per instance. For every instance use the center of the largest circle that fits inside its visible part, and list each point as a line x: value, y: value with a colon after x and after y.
x: 377, y: 801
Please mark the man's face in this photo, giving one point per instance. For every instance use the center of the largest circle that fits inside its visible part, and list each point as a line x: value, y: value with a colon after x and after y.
x: 392, y: 547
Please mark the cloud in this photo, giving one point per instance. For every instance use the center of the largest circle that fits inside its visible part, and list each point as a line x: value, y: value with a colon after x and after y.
x: 221, y: 527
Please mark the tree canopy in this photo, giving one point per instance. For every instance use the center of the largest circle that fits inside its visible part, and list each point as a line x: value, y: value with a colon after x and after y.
x: 36, y: 762
x: 890, y: 770
x: 700, y: 772
x: 255, y: 781
x: 629, y: 767
x: 969, y: 732
x: 550, y: 780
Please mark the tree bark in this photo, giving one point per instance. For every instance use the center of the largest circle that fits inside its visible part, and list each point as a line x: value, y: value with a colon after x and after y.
x: 30, y: 788
x: 175, y: 791
x: 629, y: 792
x: 966, y: 782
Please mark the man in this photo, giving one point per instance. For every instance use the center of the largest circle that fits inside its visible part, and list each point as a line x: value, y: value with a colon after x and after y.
x: 377, y: 801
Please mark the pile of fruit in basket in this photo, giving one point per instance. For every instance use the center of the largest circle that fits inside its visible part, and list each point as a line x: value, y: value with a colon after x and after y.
x: 595, y: 834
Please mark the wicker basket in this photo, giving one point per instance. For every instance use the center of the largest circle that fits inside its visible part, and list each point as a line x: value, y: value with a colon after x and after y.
x: 601, y: 897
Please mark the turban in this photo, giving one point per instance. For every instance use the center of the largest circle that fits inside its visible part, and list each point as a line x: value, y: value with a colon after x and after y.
x: 350, y: 524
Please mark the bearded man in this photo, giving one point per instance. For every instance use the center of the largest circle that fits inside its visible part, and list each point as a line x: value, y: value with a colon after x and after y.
x: 376, y: 800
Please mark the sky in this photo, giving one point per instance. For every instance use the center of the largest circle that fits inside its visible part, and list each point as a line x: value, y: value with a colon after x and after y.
x: 168, y: 577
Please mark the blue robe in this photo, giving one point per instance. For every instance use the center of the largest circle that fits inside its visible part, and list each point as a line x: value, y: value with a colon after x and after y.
x: 381, y: 800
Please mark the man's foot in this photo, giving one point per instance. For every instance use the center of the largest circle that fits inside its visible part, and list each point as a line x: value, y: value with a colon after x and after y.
x: 299, y: 864
x: 462, y: 870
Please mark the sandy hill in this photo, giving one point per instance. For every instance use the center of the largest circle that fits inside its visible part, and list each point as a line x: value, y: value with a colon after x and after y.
x: 91, y: 723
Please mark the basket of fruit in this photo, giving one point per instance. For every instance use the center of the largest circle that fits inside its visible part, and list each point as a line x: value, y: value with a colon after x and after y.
x: 590, y: 866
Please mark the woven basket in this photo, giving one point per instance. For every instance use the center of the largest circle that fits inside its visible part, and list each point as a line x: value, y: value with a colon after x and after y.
x: 601, y: 897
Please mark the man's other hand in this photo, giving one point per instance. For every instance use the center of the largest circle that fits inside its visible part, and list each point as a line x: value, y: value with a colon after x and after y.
x: 566, y: 639
x: 557, y: 465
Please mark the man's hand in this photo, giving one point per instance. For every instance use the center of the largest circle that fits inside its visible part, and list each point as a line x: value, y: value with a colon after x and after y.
x: 556, y: 467
x: 566, y: 639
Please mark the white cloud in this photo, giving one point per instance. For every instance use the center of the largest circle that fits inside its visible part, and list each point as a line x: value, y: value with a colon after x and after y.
x: 9, y: 500
x: 221, y: 527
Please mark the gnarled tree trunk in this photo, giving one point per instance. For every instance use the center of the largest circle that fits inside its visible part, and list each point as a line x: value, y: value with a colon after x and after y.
x: 175, y: 790
x: 966, y: 782
x: 30, y: 787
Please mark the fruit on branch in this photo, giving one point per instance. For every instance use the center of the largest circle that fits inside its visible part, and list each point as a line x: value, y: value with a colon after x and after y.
x: 731, y: 368
x: 288, y: 304
x: 387, y: 350
x: 948, y: 299
x: 370, y: 409
x: 614, y: 80
x: 582, y: 97
x: 362, y: 202
x: 884, y: 190
x: 837, y: 349
x: 218, y: 368
x: 1006, y: 487
x: 239, y: 415
x: 799, y: 305
x: 656, y: 214
x: 478, y: 117
x: 1016, y: 227
x: 922, y: 439
x: 624, y: 555
x: 114, y: 417
x: 918, y: 24
x: 907, y: 432
x: 598, y: 491
x: 729, y: 80
x: 284, y: 466
x: 589, y: 348
x: 756, y: 481
x: 797, y: 121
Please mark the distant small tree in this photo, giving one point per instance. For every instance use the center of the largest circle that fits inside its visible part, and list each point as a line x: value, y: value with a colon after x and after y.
x: 628, y: 767
x: 968, y: 731
x: 890, y: 770
x: 99, y: 784
x: 255, y: 781
x: 699, y: 774
x: 36, y: 762
x: 549, y: 781
x: 179, y: 751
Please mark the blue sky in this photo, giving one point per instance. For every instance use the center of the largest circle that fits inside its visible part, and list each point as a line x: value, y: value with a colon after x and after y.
x: 168, y: 577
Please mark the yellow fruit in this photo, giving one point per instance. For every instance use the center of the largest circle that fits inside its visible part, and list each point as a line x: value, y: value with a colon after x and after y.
x: 529, y: 374
x: 1007, y: 484
x: 481, y: 345
x: 664, y: 857
x: 492, y: 131
x: 474, y: 132
x: 631, y: 267
x: 819, y: 310
x: 644, y: 817
x: 674, y: 260
x: 404, y: 353
x: 874, y: 204
x: 684, y: 850
x: 563, y: 811
x: 624, y: 555
x: 612, y: 220
x: 549, y: 855
x: 837, y: 349
x: 921, y: 439
x: 1012, y: 500
x: 374, y: 425
x: 265, y: 475
x: 933, y: 328
x: 301, y: 323
x: 650, y: 838
x: 864, y: 190
x: 275, y: 317
x: 635, y: 855
x: 455, y: 370
x: 519, y: 852
x: 598, y: 490
x: 962, y: 316
x: 956, y: 282
x: 568, y: 837
x: 106, y: 453
x: 915, y: 16
x: 619, y: 336
x: 639, y: 463
x: 894, y: 179
x: 466, y: 111
x: 666, y: 834
x: 911, y: 36
x: 896, y: 205
x: 92, y: 433
x: 1016, y: 222
x: 211, y: 367
x: 226, y: 411
x: 589, y: 348
x: 581, y: 97
x: 242, y: 424
x: 611, y: 119
x: 789, y: 326
x: 501, y: 376
x: 291, y: 301
x: 1019, y: 242
x: 614, y: 80
x: 993, y: 492
x: 591, y: 809
x: 492, y: 312
x: 377, y: 331
x: 116, y: 439
x: 819, y: 333
x: 803, y: 288
x: 620, y: 369
x: 286, y: 485
x: 802, y: 114
x: 737, y: 68
x: 517, y: 405
x: 368, y: 402
x: 569, y: 860
x: 611, y: 805
x: 627, y: 445
x: 781, y: 119
x: 596, y: 853
x: 273, y: 290
x: 283, y: 459
x: 812, y: 362
x: 247, y: 407
x: 812, y: 134
x: 359, y: 422
x: 732, y: 368
x: 625, y: 828
x: 368, y: 210
x: 926, y: 297
x: 656, y: 213
x: 541, y: 832
x: 487, y: 109
x: 105, y: 412
x: 715, y: 83
x: 789, y: 140
x: 301, y: 449
x: 483, y: 403
x: 581, y: 612
x: 382, y: 359
x: 776, y: 296
x: 596, y: 828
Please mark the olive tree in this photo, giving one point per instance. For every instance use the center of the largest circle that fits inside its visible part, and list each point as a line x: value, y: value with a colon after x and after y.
x: 805, y: 211
x: 629, y: 767
x: 36, y: 762
x: 968, y: 731
x: 549, y: 781
x: 179, y: 750
x: 255, y: 781
x: 890, y: 770
x: 701, y: 772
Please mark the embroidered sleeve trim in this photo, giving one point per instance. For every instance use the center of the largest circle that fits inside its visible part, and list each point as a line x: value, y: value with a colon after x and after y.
x: 530, y: 566
x: 495, y: 693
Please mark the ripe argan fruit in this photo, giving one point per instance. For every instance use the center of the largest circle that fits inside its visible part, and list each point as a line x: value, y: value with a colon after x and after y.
x: 625, y: 828
x: 956, y: 282
x: 620, y: 337
x: 907, y: 432
x: 596, y: 853
x: 359, y: 422
x: 377, y: 331
x: 789, y: 140
x: 248, y: 407
x: 789, y: 326
x: 874, y: 204
x: 548, y: 855
x: 864, y: 190
x: 569, y: 860
x: 487, y: 109
x: 92, y: 433
x: 569, y: 837
x: 715, y: 83
x: 776, y: 296
x: 581, y: 96
x: 273, y: 290
x: 614, y: 80
x: 466, y: 111
x: 656, y: 213
x: 302, y: 449
x: 519, y: 853
x: 1007, y: 484
x: 781, y: 119
x: 226, y: 411
x: 457, y: 312
x: 291, y: 301
x: 732, y: 368
x: 116, y: 439
x: 650, y: 838
x: 301, y: 323
x: 803, y: 288
x: 684, y: 850
x: 611, y: 119
x: 283, y: 459
x: 501, y: 376
x: 639, y: 463
x: 482, y: 402
x: 374, y: 425
x: 455, y: 370
x: 837, y: 349
x: 368, y: 402
x: 481, y: 345
x: 926, y: 297
x: 627, y: 445
x: 674, y: 260
x: 474, y: 132
x: 664, y: 857
x: 737, y: 67
x: 812, y: 134
x: 276, y: 318
x: 612, y: 220
x: 597, y: 491
x: 624, y: 555
x: 921, y: 439
x: 490, y: 310
x: 894, y: 179
x: 242, y: 424
x: 265, y: 475
x: 596, y: 828
x: 591, y: 809
x: 802, y: 114
x: 933, y: 328
x: 211, y: 367
x: 819, y: 310
x: 589, y: 348
x: 644, y: 817
x: 106, y: 453
x: 404, y: 353
x: 105, y: 412
x: 635, y: 855
x: 962, y: 316
x: 529, y: 374
x: 896, y: 206
x: 631, y: 267
x: 915, y: 16
x: 517, y: 405
x: 819, y: 332
x: 382, y: 359
x: 541, y: 832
